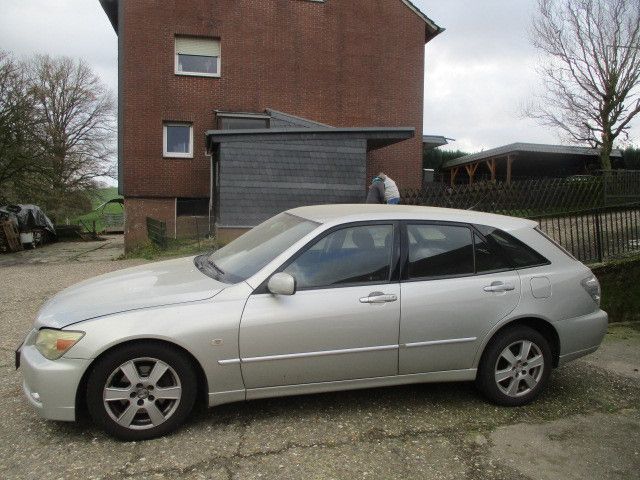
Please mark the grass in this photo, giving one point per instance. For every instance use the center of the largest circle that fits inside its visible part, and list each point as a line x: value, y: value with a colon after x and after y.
x: 99, y: 197
x: 624, y: 331
x: 176, y: 248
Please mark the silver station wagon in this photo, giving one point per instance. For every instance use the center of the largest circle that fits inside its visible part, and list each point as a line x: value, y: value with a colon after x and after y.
x: 316, y: 299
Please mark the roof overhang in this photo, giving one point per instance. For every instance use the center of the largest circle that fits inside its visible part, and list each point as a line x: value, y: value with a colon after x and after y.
x: 376, y: 137
x: 432, y: 29
x: 110, y: 7
x: 434, y: 141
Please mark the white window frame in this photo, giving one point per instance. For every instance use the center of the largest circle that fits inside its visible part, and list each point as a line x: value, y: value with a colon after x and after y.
x: 167, y: 154
x: 176, y: 62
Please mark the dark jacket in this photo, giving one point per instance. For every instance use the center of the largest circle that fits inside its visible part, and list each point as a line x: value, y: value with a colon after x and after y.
x: 376, y: 193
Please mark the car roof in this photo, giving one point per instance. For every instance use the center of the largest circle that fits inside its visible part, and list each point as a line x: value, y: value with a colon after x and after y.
x: 344, y: 213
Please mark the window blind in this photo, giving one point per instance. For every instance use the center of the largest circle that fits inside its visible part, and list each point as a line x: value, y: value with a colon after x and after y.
x: 205, y: 47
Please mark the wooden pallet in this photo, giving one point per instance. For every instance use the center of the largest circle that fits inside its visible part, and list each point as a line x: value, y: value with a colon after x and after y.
x: 9, y: 237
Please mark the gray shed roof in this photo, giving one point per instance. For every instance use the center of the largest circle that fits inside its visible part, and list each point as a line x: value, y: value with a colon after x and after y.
x: 376, y: 137
x: 519, y: 147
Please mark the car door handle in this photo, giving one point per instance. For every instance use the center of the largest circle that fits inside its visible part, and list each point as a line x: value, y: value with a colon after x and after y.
x: 379, y: 297
x: 499, y: 287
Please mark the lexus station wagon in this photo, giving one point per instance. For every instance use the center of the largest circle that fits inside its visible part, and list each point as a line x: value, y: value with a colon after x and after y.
x: 316, y: 299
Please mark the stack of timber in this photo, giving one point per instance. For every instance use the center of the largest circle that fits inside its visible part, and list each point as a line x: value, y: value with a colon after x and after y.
x: 9, y: 237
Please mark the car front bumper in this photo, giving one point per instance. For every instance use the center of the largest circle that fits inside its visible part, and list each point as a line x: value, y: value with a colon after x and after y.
x: 51, y: 385
x: 580, y: 336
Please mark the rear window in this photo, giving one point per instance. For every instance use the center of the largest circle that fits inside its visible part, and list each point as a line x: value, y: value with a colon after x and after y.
x: 521, y: 255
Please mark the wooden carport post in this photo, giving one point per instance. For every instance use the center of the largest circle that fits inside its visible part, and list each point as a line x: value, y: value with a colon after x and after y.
x: 509, y: 162
x: 454, y: 174
x: 491, y: 165
x: 471, y: 171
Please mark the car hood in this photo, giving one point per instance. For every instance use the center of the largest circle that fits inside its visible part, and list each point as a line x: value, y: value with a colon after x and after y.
x: 152, y: 285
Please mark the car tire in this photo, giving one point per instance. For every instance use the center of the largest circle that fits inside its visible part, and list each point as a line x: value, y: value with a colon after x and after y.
x: 508, y: 379
x: 141, y: 391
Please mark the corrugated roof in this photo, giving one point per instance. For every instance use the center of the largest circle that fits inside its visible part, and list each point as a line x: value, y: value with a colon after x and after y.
x: 519, y: 147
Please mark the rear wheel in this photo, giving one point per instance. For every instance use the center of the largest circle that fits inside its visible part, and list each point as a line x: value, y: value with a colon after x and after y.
x: 141, y: 391
x: 515, y: 367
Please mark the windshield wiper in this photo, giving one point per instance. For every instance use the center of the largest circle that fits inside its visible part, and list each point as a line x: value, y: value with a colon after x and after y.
x: 208, y: 267
x: 216, y: 268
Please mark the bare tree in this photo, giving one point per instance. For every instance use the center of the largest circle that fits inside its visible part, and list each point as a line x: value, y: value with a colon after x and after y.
x: 76, y: 118
x: 591, y: 69
x: 17, y: 147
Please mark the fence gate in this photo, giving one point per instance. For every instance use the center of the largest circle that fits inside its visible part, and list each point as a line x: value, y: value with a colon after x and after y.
x: 157, y: 232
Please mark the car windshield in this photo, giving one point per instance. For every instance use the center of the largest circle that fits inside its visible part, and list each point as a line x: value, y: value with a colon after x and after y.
x: 246, y: 255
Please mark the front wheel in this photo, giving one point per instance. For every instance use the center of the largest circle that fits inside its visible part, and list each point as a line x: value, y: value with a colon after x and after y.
x: 141, y: 391
x: 515, y: 367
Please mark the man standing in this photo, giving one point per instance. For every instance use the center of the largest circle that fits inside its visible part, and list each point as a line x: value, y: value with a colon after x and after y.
x: 376, y: 191
x: 391, y: 192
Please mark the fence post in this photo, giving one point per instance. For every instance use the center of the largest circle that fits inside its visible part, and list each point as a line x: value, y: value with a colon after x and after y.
x: 598, y: 236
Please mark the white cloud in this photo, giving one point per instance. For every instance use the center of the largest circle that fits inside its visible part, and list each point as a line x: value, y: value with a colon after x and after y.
x: 478, y: 72
x: 75, y: 28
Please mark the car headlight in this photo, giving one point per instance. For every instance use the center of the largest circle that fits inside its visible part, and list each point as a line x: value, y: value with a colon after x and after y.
x: 52, y: 344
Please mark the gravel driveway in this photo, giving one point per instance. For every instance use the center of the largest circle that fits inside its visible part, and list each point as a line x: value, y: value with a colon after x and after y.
x: 587, y: 425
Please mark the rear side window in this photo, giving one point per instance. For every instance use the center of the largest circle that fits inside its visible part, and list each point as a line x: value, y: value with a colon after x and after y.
x: 487, y: 259
x: 439, y: 250
x: 521, y: 255
x: 560, y: 247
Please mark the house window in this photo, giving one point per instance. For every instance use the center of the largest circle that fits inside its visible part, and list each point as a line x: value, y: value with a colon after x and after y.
x: 178, y: 140
x: 197, y: 56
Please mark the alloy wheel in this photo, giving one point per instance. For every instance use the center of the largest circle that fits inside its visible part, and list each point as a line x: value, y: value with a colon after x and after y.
x: 519, y: 368
x: 142, y: 393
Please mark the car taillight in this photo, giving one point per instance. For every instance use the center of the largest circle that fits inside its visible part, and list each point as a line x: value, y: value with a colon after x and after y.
x: 592, y: 286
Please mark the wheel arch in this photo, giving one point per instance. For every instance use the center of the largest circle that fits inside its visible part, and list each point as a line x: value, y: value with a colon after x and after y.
x: 202, y: 398
x: 541, y: 325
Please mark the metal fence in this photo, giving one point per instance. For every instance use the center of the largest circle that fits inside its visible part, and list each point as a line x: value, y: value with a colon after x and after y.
x: 595, y: 218
x: 596, y: 235
x: 157, y: 232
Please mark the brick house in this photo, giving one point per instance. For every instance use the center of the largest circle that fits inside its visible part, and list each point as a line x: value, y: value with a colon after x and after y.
x: 286, y: 101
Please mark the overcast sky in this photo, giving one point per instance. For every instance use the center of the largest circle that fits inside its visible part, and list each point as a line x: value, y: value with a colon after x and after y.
x: 478, y: 72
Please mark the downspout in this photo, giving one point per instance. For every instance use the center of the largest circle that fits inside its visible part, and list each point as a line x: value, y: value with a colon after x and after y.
x: 211, y: 167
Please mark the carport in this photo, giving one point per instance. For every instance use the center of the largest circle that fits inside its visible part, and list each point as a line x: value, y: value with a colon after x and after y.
x: 524, y: 160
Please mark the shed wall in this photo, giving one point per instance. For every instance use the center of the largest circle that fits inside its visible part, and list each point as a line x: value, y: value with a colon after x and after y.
x: 259, y: 180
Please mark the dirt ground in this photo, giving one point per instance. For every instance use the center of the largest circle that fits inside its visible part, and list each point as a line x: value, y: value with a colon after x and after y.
x: 586, y: 425
x: 110, y: 248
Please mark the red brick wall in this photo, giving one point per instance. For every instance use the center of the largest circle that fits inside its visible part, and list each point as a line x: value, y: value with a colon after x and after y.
x: 138, y: 209
x: 347, y: 63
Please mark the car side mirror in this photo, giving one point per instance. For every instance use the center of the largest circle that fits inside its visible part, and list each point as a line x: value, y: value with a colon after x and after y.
x: 282, y: 284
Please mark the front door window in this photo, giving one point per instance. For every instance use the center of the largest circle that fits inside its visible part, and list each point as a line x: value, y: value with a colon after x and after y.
x: 350, y: 256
